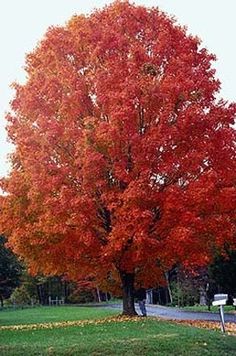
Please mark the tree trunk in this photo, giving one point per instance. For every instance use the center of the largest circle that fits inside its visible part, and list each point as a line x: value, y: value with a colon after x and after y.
x: 98, y: 295
x: 168, y: 287
x: 127, y: 280
x: 1, y: 299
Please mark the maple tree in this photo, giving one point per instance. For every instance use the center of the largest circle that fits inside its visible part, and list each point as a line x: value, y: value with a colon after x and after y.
x: 125, y: 159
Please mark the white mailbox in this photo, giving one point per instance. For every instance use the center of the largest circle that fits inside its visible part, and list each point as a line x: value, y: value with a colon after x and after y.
x: 220, y: 299
x: 234, y: 302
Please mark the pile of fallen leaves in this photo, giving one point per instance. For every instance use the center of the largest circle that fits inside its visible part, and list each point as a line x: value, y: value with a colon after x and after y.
x: 63, y: 324
x: 230, y: 328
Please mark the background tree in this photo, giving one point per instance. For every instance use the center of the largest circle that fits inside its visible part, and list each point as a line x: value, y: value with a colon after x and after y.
x: 223, y: 272
x: 20, y: 296
x: 125, y: 161
x: 10, y: 271
x: 40, y: 288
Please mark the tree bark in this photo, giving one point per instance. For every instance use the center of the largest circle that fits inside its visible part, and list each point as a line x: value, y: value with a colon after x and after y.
x: 127, y: 280
x: 168, y: 287
x: 98, y: 295
x: 1, y: 299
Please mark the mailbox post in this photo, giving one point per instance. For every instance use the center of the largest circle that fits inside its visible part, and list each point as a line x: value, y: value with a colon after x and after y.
x: 220, y: 300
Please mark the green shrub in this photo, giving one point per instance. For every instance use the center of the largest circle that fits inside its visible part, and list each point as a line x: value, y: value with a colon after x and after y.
x: 78, y: 296
x: 20, y: 296
x: 184, y: 293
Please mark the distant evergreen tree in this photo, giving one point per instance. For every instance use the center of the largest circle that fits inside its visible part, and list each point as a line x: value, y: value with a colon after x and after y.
x: 10, y: 271
x: 223, y: 272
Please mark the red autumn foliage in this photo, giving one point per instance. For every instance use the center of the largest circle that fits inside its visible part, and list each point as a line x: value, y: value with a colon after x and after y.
x: 125, y: 160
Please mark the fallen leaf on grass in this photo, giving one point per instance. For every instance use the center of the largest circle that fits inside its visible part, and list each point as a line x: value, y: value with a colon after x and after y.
x: 213, y: 325
x: 63, y: 324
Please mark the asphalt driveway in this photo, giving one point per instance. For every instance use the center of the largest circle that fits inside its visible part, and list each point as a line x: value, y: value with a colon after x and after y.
x: 179, y: 314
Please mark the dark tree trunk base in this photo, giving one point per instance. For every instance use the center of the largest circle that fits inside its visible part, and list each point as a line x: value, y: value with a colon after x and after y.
x: 124, y: 313
x: 127, y: 280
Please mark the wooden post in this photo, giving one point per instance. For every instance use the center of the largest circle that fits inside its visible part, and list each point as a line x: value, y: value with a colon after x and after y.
x: 221, y: 309
x: 98, y: 295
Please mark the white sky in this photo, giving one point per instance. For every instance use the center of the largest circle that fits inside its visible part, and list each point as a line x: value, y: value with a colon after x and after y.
x: 24, y: 22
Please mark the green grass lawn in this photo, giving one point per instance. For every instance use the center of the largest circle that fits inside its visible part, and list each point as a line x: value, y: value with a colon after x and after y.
x: 204, y: 308
x: 145, y: 336
x: 51, y: 314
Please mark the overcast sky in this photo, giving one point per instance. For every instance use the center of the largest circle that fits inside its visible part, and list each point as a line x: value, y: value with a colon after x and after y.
x: 24, y: 22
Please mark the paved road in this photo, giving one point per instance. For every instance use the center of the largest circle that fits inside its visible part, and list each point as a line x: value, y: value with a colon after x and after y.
x: 175, y: 313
